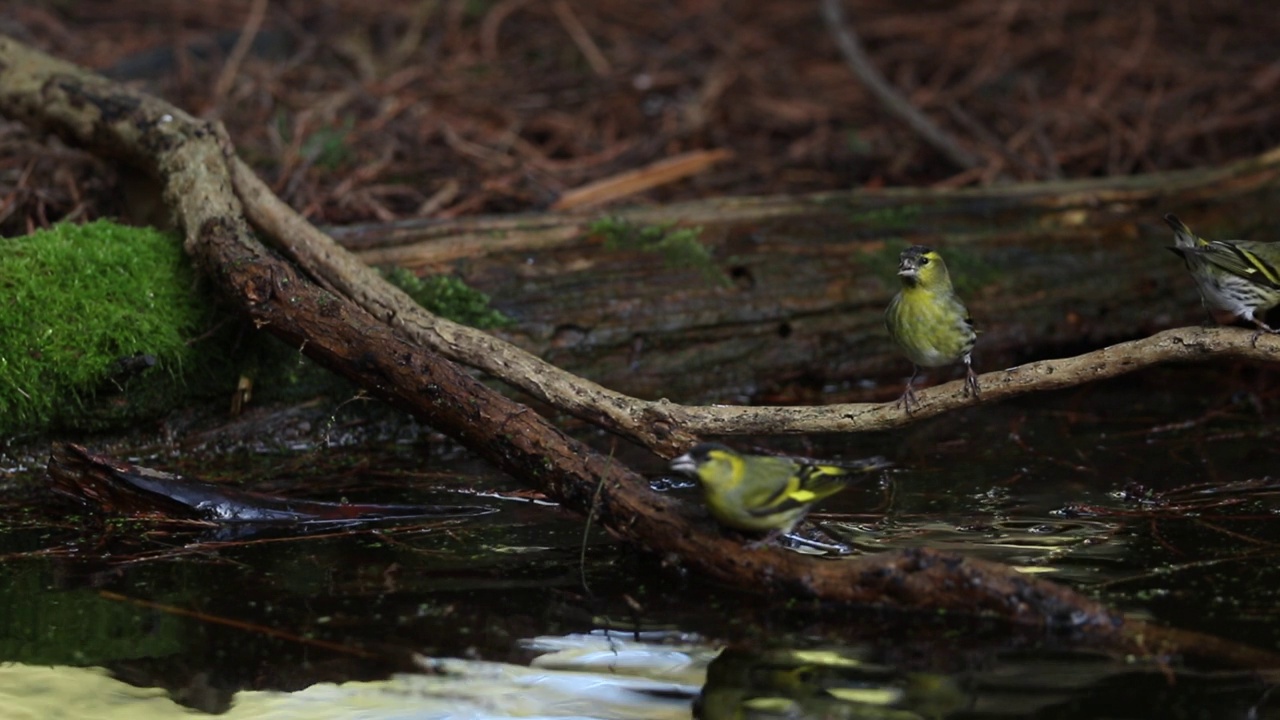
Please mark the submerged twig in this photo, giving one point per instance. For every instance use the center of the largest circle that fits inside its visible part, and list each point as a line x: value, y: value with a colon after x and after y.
x: 272, y: 632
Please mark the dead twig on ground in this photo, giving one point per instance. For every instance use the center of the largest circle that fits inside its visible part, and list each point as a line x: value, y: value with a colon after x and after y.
x: 861, y: 65
x: 578, y: 33
x: 631, y: 182
x: 257, y: 11
x: 744, y: 77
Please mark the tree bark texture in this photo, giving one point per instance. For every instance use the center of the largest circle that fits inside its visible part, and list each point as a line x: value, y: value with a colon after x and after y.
x: 1045, y: 270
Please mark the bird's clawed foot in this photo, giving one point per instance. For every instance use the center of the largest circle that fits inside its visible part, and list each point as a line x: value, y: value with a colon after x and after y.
x: 1262, y: 328
x: 907, y: 399
x: 909, y: 395
x: 971, y: 388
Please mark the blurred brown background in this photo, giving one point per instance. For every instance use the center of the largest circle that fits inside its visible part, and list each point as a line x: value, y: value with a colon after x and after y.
x: 380, y: 110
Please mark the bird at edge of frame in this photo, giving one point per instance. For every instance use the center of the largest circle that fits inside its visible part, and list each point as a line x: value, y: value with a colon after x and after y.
x: 1237, y: 279
x: 765, y: 494
x: 928, y: 322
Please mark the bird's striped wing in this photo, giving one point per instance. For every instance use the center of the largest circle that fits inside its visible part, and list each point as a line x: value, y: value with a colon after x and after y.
x: 1237, y: 259
x: 806, y: 485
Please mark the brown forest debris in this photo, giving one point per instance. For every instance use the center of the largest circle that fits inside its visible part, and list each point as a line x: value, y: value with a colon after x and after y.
x: 1078, y: 88
x: 634, y: 181
x: 861, y: 65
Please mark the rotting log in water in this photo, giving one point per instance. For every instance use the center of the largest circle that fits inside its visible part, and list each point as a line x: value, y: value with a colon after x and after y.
x: 1045, y: 269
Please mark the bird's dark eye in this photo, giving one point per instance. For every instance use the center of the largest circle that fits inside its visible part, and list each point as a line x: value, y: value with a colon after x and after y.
x: 924, y: 260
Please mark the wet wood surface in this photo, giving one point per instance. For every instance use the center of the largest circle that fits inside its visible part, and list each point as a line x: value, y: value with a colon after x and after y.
x: 804, y: 281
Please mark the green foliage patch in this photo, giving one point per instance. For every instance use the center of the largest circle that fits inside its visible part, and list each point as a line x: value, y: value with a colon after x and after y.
x: 679, y: 247
x: 448, y: 297
x: 890, y: 218
x: 970, y: 271
x: 80, y: 301
x: 330, y: 147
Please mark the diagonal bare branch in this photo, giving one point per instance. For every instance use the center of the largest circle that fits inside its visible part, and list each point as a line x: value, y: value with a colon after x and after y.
x: 856, y: 57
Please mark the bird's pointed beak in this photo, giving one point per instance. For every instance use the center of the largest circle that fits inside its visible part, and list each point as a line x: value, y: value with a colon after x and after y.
x: 684, y: 464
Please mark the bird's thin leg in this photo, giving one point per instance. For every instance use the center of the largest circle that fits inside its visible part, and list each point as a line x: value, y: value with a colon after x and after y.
x: 971, y: 379
x: 1262, y: 327
x: 909, y: 395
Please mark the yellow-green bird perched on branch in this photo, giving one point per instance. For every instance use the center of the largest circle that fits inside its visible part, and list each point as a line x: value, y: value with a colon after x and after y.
x: 928, y: 321
x: 763, y: 493
x: 1238, y: 279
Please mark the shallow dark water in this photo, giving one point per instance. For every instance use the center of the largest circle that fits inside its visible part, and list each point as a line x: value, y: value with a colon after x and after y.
x: 521, y: 613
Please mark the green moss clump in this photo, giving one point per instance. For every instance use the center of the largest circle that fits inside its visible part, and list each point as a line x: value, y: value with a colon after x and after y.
x: 892, y: 218
x: 970, y: 272
x: 330, y: 147
x: 81, y: 300
x: 679, y: 247
x: 448, y: 297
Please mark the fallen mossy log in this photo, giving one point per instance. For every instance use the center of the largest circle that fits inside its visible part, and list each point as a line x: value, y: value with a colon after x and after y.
x: 791, y: 299
x: 359, y: 327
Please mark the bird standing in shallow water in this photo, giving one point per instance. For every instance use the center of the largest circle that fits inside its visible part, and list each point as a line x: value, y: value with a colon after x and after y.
x: 764, y: 493
x: 1238, y: 279
x: 928, y: 321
